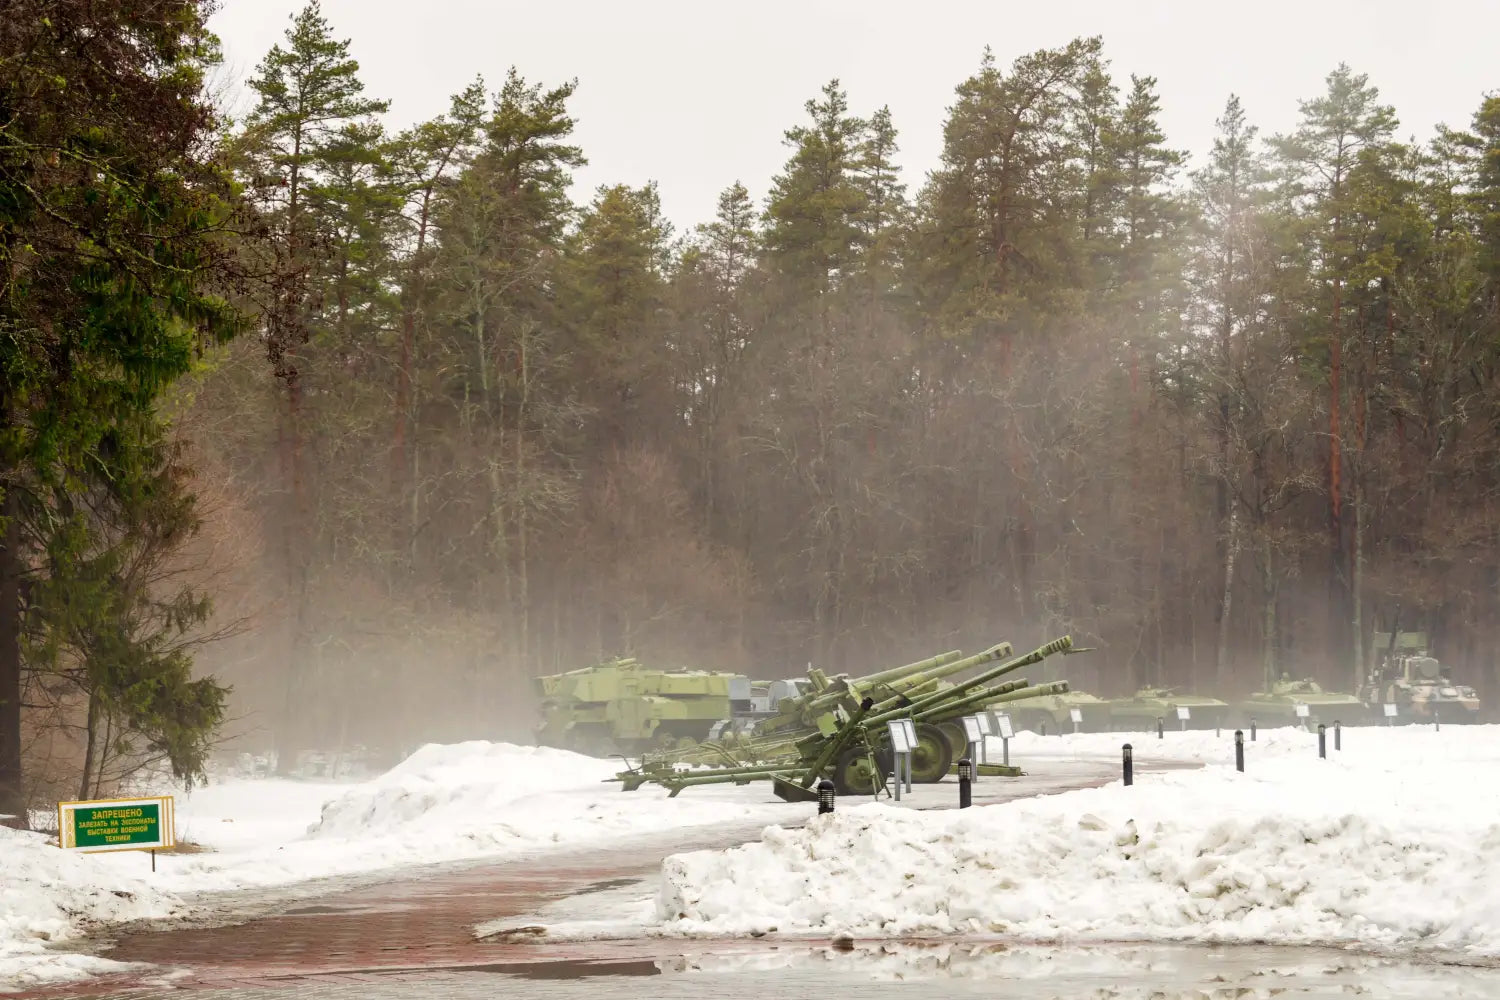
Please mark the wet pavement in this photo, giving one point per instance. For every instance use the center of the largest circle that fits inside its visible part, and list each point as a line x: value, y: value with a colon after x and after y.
x: 746, y: 970
x: 411, y: 934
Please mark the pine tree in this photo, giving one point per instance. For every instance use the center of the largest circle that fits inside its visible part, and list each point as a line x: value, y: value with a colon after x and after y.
x: 1318, y: 158
x: 813, y: 216
x: 309, y: 94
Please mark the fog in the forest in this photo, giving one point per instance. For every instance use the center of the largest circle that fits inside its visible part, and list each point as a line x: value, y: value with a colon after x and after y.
x: 975, y: 352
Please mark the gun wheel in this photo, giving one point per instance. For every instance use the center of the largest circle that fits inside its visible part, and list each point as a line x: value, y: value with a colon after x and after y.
x: 854, y: 774
x: 932, y: 757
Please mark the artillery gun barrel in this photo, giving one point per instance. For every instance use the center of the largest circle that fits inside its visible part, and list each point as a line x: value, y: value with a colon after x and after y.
x: 929, y: 708
x: 1059, y: 645
x: 842, y: 688
x: 921, y: 666
x: 919, y: 686
x: 974, y: 699
x: 996, y: 696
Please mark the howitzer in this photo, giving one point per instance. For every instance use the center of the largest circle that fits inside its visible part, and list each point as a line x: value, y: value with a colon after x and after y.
x: 993, y: 653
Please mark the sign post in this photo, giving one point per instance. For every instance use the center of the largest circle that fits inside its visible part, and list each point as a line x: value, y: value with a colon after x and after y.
x: 1390, y: 714
x: 1076, y: 714
x: 987, y: 727
x: 1302, y: 713
x: 900, y: 749
x: 1006, y: 731
x: 103, y: 825
x: 975, y: 736
x: 911, y: 741
x: 1182, y: 717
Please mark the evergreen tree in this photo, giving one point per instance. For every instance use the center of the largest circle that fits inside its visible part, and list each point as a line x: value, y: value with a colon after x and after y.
x: 813, y: 217
x: 113, y: 266
x: 1318, y: 158
x: 309, y: 95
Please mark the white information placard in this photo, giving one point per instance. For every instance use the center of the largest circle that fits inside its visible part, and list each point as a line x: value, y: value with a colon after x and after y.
x: 911, y: 732
x: 1183, y: 713
x: 899, y: 742
x: 1301, y: 710
x: 1006, y: 730
x: 986, y: 723
x: 972, y: 730
x: 1390, y: 710
x: 1076, y: 714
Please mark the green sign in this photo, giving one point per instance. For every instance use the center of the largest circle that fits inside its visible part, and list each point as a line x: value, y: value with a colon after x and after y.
x: 116, y: 825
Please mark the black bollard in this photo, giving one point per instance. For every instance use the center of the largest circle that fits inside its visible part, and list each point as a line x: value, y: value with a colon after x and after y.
x: 1043, y: 731
x: 1252, y: 729
x: 1239, y: 750
x: 1159, y: 729
x: 825, y: 797
x: 1127, y: 763
x: 965, y: 783
x: 1338, y: 735
x: 1322, y: 740
x: 1436, y: 724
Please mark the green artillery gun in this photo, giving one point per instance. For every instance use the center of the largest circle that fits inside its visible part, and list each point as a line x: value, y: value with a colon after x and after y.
x: 851, y: 746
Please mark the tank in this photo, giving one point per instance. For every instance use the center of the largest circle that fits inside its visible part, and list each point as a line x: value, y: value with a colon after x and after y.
x: 1054, y: 713
x: 1418, y: 684
x: 1278, y: 706
x: 1140, y: 712
x: 625, y: 707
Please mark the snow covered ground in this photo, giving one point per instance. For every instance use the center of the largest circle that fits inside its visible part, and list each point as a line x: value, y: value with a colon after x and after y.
x: 1394, y: 843
x: 443, y: 803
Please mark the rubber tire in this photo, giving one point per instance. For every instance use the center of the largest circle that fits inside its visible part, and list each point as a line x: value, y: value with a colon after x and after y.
x: 958, y: 740
x: 851, y: 763
x: 933, y: 757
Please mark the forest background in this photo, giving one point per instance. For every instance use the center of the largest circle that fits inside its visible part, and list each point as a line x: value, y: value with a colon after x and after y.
x: 1219, y: 422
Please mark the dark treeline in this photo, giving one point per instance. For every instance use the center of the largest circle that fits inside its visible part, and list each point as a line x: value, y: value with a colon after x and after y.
x: 1220, y: 422
x: 1217, y: 422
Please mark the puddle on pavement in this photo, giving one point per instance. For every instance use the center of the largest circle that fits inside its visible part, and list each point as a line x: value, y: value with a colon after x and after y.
x: 572, y: 969
x: 1033, y: 972
x: 606, y: 886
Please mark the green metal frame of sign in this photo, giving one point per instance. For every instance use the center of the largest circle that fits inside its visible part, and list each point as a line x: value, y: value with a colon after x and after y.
x: 146, y: 824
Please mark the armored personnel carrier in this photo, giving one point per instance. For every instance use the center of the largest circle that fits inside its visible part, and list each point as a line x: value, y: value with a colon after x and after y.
x: 1419, y: 685
x: 1140, y: 712
x: 1054, y: 713
x: 1279, y: 706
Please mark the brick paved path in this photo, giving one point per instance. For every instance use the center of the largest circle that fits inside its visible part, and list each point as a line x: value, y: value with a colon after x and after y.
x: 423, y: 920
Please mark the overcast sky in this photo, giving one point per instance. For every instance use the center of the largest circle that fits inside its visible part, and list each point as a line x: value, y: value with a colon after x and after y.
x: 697, y: 94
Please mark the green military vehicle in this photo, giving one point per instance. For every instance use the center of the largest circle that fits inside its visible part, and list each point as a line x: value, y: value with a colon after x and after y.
x: 1420, y: 686
x: 623, y: 707
x: 1140, y: 712
x: 1300, y: 703
x: 1054, y: 713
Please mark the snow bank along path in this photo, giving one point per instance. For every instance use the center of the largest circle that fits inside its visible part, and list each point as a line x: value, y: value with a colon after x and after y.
x: 1393, y: 843
x: 443, y: 803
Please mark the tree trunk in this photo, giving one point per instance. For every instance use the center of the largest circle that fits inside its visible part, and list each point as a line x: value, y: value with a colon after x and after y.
x: 89, y: 750
x: 1231, y: 552
x: 1358, y: 583
x: 1268, y: 613
x: 12, y: 788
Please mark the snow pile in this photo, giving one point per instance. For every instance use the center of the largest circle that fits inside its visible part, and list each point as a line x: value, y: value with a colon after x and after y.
x: 1195, y: 746
x: 442, y: 783
x: 49, y: 896
x: 1393, y: 845
x: 444, y: 803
